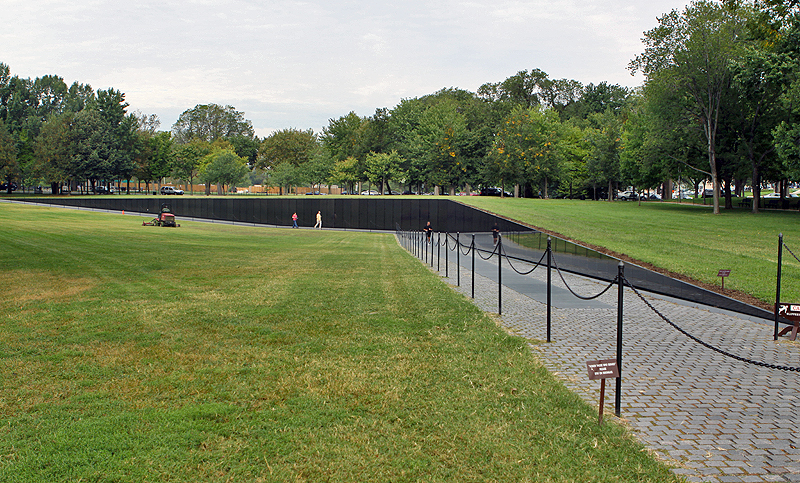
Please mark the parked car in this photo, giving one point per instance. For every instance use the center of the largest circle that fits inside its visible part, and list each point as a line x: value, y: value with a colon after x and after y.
x: 102, y: 190
x: 629, y: 195
x: 778, y: 195
x: 370, y: 193
x: 171, y: 190
x: 495, y: 192
x: 4, y: 186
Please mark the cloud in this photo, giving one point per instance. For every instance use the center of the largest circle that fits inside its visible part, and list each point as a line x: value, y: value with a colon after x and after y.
x: 300, y: 63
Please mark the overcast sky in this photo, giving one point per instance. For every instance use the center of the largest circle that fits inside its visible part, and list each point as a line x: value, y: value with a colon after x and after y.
x: 300, y: 63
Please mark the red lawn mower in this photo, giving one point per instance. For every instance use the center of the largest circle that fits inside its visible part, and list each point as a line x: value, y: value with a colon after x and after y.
x: 165, y: 218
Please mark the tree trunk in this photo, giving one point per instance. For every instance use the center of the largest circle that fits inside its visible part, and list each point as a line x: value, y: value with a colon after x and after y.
x: 756, y: 188
x: 728, y: 201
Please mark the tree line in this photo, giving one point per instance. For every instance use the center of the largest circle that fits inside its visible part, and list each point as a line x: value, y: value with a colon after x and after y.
x: 719, y: 103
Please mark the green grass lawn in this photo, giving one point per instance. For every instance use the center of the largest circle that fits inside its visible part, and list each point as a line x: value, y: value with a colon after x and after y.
x: 682, y: 238
x: 213, y: 352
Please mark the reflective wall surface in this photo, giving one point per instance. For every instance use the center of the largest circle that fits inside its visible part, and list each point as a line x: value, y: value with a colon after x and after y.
x: 578, y: 259
x: 356, y: 213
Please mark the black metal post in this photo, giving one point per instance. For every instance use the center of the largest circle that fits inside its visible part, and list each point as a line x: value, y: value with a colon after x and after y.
x: 499, y: 276
x: 620, y: 285
x: 549, y: 281
x: 446, y: 255
x: 438, y: 250
x: 778, y: 285
x: 458, y: 259
x: 472, y: 247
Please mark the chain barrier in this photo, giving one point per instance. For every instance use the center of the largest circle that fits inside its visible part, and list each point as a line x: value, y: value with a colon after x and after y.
x: 706, y: 344
x: 790, y: 251
x: 490, y: 255
x: 447, y: 241
x: 561, y: 275
x: 535, y: 266
x: 469, y: 248
x: 627, y: 283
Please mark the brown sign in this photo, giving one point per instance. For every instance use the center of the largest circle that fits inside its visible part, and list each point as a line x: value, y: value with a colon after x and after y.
x: 602, y: 369
x: 790, y: 311
x: 724, y: 273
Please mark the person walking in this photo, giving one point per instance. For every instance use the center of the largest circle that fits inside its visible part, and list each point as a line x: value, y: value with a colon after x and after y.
x: 495, y: 233
x: 428, y: 231
x: 294, y: 221
x: 318, y: 224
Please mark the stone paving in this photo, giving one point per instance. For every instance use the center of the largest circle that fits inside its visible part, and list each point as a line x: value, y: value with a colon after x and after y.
x: 709, y: 416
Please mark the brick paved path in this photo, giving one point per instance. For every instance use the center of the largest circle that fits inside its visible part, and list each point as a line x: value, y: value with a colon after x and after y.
x: 711, y: 417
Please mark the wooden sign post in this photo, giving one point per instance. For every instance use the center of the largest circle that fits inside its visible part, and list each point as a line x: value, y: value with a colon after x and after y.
x: 722, y: 274
x: 602, y: 370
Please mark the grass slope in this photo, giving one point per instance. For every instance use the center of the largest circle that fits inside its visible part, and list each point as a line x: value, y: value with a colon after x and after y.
x: 682, y: 238
x: 219, y: 353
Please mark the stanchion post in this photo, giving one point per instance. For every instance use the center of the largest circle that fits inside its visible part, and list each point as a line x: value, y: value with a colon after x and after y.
x: 446, y: 255
x: 620, y: 285
x: 458, y: 259
x: 438, y: 251
x: 499, y: 276
x: 549, y: 282
x: 425, y: 243
x: 472, y: 247
x: 778, y: 285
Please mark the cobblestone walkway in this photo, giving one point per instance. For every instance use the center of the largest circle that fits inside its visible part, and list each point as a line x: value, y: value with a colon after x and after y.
x: 711, y: 417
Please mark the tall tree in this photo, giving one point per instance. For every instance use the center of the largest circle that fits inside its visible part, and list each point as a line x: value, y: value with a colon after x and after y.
x: 287, y: 145
x: 692, y: 51
x: 54, y: 151
x: 383, y: 167
x: 224, y: 168
x: 605, y: 145
x: 526, y: 147
x: 318, y: 167
x: 188, y: 159
x: 284, y: 148
x: 9, y: 168
x: 210, y: 122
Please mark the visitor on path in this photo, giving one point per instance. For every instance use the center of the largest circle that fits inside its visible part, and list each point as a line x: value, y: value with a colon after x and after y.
x: 495, y: 233
x: 294, y: 221
x: 428, y: 230
x: 318, y: 224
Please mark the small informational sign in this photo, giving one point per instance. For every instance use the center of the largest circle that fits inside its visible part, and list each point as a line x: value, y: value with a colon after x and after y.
x: 602, y: 369
x: 790, y: 311
x: 722, y: 274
